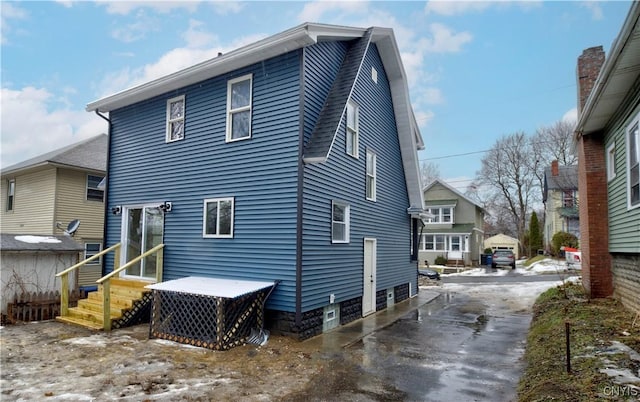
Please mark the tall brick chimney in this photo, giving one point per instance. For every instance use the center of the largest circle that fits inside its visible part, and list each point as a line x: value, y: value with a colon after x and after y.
x: 589, y: 65
x: 555, y: 170
x: 592, y: 186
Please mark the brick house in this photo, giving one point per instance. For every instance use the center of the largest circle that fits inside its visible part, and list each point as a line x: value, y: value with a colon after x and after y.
x: 608, y: 143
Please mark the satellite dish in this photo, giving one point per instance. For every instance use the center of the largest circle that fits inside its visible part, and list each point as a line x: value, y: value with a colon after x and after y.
x: 72, y: 227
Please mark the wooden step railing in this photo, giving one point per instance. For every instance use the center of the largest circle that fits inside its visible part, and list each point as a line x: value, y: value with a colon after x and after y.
x: 105, y: 281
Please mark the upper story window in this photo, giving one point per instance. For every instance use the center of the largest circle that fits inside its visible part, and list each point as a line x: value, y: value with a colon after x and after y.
x: 611, y: 161
x: 339, y: 222
x: 218, y: 218
x: 175, y: 119
x: 11, y: 194
x: 93, y: 191
x: 441, y: 215
x: 568, y: 198
x: 351, y: 146
x: 371, y: 175
x: 239, y: 93
x: 633, y: 164
x: 91, y: 249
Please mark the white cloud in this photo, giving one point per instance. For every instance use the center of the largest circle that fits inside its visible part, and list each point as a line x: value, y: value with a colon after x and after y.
x: 449, y: 8
x: 195, y: 37
x: 136, y: 30
x: 315, y: 11
x: 125, y: 7
x: 9, y: 11
x: 29, y: 128
x: 594, y: 8
x: 227, y: 7
x: 65, y: 3
x: 571, y: 115
x: 444, y: 40
x: 423, y: 118
x: 433, y: 96
x: 452, y: 7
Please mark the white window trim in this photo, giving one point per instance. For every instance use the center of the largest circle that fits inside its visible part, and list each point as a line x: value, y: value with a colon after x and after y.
x: 167, y: 138
x: 347, y: 222
x: 93, y: 188
x: 98, y: 260
x: 441, y: 214
x: 374, y: 175
x: 355, y: 130
x: 204, y: 218
x: 230, y: 111
x: 627, y: 131
x: 611, y: 162
x: 11, y: 195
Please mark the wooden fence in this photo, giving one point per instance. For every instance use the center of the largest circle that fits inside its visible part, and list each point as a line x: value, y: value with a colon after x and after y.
x: 38, y: 306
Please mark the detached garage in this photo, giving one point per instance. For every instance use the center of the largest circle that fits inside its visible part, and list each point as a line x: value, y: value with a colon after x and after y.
x: 503, y: 242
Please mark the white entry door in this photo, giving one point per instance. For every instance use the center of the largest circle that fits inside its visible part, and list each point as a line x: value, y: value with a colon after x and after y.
x: 369, y: 277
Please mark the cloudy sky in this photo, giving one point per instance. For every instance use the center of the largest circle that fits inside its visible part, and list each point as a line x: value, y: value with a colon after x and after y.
x: 477, y: 70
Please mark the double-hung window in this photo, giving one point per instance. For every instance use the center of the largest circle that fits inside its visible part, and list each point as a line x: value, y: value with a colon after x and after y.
x: 218, y: 218
x: 91, y: 249
x: 351, y: 146
x: 175, y: 119
x: 11, y: 194
x: 239, y: 93
x: 633, y: 164
x: 339, y: 222
x: 94, y: 192
x: 371, y: 176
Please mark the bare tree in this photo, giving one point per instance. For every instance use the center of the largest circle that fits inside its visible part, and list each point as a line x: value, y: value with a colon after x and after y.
x: 429, y: 172
x: 507, y: 170
x: 551, y: 143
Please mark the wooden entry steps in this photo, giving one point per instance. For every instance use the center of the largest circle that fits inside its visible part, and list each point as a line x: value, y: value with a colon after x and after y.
x: 125, y: 295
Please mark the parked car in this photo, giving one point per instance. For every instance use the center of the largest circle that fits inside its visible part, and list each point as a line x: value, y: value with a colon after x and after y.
x: 503, y: 257
x: 429, y: 273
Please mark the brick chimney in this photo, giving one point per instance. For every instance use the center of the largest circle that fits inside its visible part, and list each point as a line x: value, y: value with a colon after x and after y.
x: 555, y: 170
x: 597, y: 278
x: 589, y: 65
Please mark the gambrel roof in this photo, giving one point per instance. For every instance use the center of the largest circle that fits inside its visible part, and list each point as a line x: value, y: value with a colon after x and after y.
x: 303, y: 35
x: 89, y: 154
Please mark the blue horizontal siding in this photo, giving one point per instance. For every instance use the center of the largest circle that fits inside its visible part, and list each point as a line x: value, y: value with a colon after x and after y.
x: 260, y: 173
x: 338, y: 268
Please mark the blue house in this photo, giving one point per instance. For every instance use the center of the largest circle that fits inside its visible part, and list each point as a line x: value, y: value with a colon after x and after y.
x: 292, y: 159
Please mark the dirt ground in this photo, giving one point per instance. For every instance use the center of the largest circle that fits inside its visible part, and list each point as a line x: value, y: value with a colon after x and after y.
x: 57, y: 362
x: 81, y: 365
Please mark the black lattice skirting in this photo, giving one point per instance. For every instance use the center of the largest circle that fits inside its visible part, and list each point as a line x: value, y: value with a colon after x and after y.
x: 206, y: 321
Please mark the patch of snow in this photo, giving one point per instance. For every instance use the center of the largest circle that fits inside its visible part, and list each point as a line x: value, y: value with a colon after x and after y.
x: 37, y: 239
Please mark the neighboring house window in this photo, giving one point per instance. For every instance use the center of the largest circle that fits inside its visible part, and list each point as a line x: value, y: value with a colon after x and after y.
x: 218, y: 218
x: 11, y: 194
x: 239, y: 108
x: 633, y: 158
x: 91, y: 249
x: 339, y: 222
x: 568, y: 198
x: 611, y: 162
x: 441, y: 215
x: 371, y: 175
x: 93, y: 191
x: 352, y: 129
x: 175, y: 119
x: 444, y: 243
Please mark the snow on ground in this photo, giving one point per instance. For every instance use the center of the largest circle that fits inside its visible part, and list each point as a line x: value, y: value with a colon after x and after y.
x: 546, y: 266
